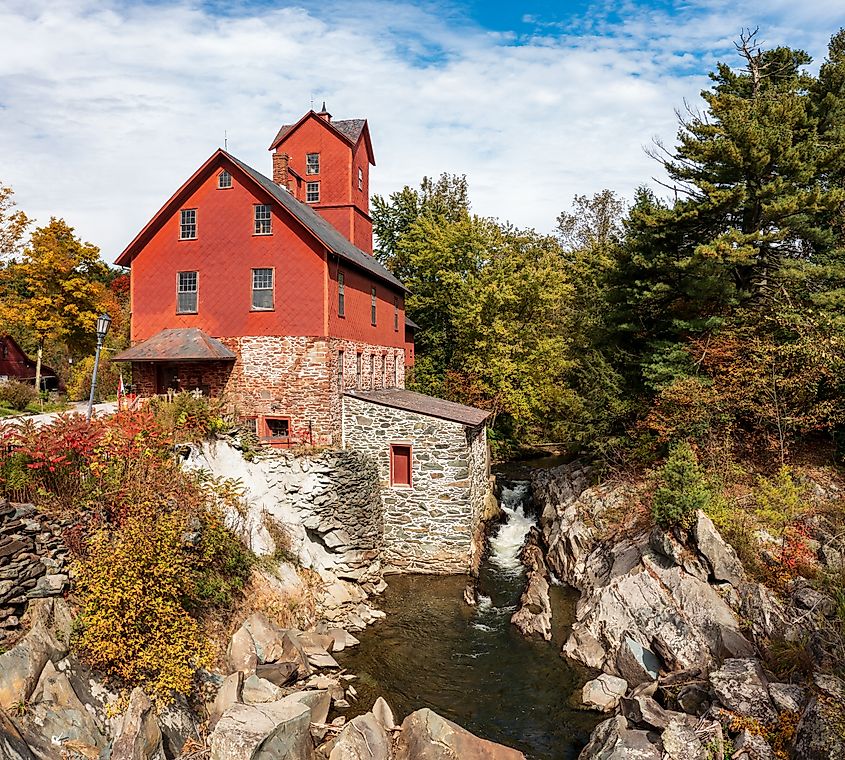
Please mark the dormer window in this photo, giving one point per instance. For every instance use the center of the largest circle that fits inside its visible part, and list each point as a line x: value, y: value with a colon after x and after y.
x: 224, y: 180
x: 312, y: 163
x: 360, y: 178
x: 312, y: 192
x: 188, y: 224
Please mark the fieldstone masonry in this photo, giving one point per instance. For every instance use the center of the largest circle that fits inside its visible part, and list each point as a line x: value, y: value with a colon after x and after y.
x: 434, y: 526
x: 32, y: 562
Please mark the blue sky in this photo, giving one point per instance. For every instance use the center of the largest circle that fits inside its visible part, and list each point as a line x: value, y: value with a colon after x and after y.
x: 106, y: 106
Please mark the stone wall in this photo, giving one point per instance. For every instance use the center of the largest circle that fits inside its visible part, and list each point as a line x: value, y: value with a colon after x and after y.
x: 433, y: 526
x: 32, y: 562
x: 327, y: 503
x: 288, y: 376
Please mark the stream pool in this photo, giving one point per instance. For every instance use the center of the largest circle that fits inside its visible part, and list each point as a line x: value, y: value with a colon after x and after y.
x: 469, y: 664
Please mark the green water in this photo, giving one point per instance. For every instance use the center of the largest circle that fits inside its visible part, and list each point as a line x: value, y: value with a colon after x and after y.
x: 471, y: 665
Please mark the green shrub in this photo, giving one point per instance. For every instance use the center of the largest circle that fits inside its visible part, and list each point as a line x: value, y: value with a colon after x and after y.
x: 190, y: 417
x: 683, y: 489
x: 17, y: 395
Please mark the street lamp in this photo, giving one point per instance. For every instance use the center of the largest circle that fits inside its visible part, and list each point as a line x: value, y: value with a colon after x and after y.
x: 103, y: 324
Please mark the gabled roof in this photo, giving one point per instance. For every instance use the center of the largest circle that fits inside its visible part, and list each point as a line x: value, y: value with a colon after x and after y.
x: 302, y: 212
x: 15, y: 363
x: 351, y: 130
x: 185, y: 344
x: 410, y: 323
x: 419, y: 403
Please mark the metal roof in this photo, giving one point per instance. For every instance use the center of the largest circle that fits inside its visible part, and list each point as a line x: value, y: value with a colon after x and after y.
x: 350, y: 128
x: 411, y: 401
x: 410, y: 323
x: 325, y: 232
x: 177, y: 344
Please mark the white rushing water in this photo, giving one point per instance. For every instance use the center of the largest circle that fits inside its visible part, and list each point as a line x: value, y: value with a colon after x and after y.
x: 506, y: 544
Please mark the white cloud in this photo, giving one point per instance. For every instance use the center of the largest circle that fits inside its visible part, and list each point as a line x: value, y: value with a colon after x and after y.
x: 106, y: 108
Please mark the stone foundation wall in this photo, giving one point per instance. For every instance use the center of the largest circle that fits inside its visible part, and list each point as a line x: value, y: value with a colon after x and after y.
x: 288, y: 376
x: 327, y: 504
x: 32, y: 562
x: 433, y: 526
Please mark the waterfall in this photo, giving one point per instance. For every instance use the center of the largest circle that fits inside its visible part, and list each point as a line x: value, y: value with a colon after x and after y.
x: 506, y: 544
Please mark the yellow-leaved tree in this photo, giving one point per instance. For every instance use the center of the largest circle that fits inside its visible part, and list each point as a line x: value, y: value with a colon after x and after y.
x: 55, y: 290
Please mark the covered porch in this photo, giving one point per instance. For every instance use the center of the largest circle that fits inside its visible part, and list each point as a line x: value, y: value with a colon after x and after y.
x: 179, y: 359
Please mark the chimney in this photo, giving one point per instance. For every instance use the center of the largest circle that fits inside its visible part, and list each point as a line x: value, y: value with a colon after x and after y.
x: 280, y: 170
x: 323, y: 113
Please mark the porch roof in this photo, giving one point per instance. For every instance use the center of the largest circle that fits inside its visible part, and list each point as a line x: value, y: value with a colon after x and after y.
x: 177, y: 345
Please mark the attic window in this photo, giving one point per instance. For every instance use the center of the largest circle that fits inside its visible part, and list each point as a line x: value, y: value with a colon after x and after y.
x: 263, y: 220
x: 312, y: 163
x: 312, y: 192
x: 188, y: 224
x: 224, y: 180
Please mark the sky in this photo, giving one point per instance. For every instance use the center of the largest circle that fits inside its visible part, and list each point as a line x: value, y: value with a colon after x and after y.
x: 107, y: 106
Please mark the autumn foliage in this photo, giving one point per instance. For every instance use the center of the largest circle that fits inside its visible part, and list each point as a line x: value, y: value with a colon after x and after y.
x: 153, y: 552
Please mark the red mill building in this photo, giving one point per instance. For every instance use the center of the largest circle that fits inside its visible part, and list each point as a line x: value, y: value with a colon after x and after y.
x: 264, y: 292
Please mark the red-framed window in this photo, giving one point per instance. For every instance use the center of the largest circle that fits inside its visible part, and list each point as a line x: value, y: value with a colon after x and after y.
x: 400, y: 464
x: 275, y: 430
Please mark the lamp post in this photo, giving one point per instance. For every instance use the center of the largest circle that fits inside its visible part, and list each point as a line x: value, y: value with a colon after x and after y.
x: 103, y: 324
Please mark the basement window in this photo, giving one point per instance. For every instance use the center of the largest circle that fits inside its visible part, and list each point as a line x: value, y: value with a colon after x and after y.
x: 400, y: 465
x: 224, y: 180
x: 312, y: 192
x: 312, y: 163
x: 276, y: 430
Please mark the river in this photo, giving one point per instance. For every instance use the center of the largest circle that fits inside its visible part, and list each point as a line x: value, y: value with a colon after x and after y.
x: 470, y: 664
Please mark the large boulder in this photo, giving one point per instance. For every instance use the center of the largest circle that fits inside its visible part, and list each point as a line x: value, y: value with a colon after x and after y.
x: 21, y: 666
x: 268, y: 731
x: 603, y: 693
x: 57, y: 715
x: 821, y: 730
x: 741, y: 686
x: 259, y: 642
x: 534, y: 616
x: 721, y: 558
x: 427, y: 736
x: 363, y: 738
x: 140, y: 736
x: 178, y: 724
x: 614, y: 740
x: 12, y: 744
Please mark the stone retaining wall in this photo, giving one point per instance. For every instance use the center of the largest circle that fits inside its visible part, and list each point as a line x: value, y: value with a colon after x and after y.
x: 326, y: 502
x: 32, y: 562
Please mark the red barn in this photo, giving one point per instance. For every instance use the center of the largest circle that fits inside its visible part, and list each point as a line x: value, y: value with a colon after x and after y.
x: 265, y: 291
x: 16, y: 365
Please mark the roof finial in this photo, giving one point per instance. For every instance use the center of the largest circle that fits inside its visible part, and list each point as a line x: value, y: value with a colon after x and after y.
x: 324, y: 107
x: 324, y: 114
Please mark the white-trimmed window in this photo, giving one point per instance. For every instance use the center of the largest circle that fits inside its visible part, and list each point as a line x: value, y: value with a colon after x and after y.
x: 224, y: 180
x: 341, y: 295
x: 360, y: 178
x: 312, y: 192
x: 312, y: 163
x: 373, y: 302
x: 186, y: 292
x: 188, y: 224
x: 263, y: 220
x: 262, y: 289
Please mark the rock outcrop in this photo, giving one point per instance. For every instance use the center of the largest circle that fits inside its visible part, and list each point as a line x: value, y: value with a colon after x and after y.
x: 674, y: 615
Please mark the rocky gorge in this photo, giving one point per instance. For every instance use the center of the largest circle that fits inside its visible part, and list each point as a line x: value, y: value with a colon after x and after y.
x: 676, y: 631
